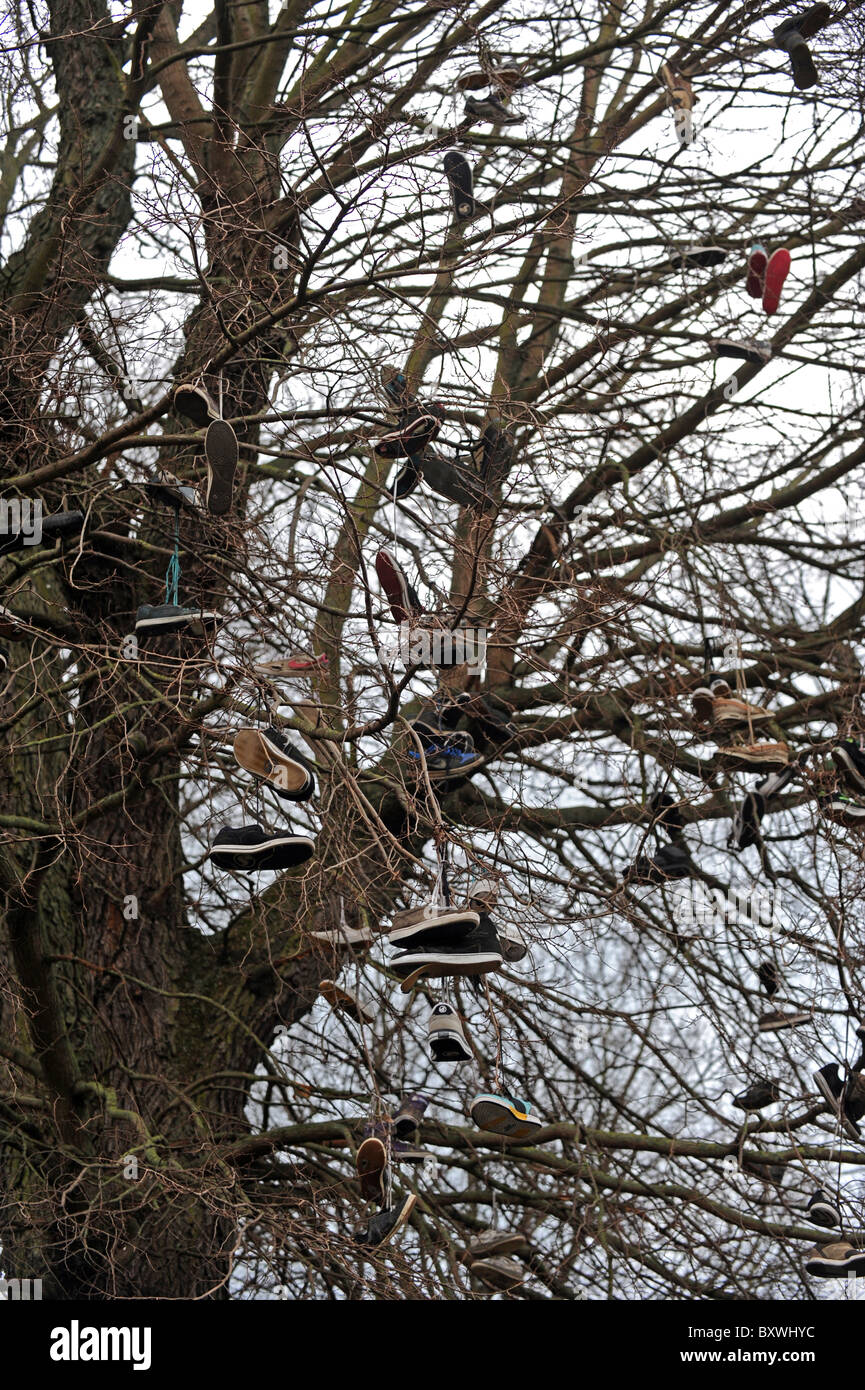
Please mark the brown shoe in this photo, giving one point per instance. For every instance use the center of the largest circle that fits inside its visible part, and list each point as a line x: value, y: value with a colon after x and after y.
x: 731, y: 711
x: 679, y: 87
x: 745, y: 755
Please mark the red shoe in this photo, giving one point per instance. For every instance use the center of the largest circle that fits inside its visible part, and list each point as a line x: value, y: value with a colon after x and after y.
x: 776, y: 273
x: 757, y: 262
x: 404, y: 602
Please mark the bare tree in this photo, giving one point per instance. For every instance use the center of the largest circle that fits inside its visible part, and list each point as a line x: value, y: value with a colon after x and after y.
x: 255, y: 200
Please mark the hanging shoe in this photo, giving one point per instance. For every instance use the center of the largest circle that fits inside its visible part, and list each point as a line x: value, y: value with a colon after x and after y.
x: 344, y: 1001
x: 499, y: 1114
x: 478, y: 953
x: 395, y: 387
x: 704, y: 697
x: 745, y: 829
x: 770, y: 980
x: 408, y: 479
x: 491, y: 1242
x: 790, y: 36
x: 776, y: 273
x: 669, y: 862
x: 777, y: 781
x: 749, y: 350
x: 850, y: 762
x: 448, y: 755
x: 419, y: 428
x: 665, y: 812
x: 476, y: 80
x: 697, y: 255
x: 404, y: 602
x: 58, y: 527
x: 512, y: 942
x: 194, y: 402
x: 845, y: 1098
x: 493, y: 456
x: 777, y: 1020
x: 822, y: 1210
x: 446, y: 1036
x: 757, y: 1096
x: 489, y: 109
x: 459, y: 177
x: 221, y: 452
x: 497, y: 1272
x: 744, y: 755
x: 165, y: 488
x: 835, y: 1260
x: 756, y: 277
x: 250, y: 847
x: 410, y: 1116
x: 730, y: 711
x: 269, y: 755
x: 371, y: 1164
x: 439, y: 927
x: 382, y: 1227
x: 843, y: 809
x: 344, y: 935
x: 153, y: 620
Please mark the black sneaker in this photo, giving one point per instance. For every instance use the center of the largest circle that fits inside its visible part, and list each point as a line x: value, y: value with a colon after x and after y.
x: 835, y: 1093
x: 493, y: 455
x: 250, y: 847
x: 459, y: 177
x: 478, y: 953
x: 57, y: 527
x: 822, y: 1210
x: 747, y: 351
x: 853, y: 1103
x: 395, y: 387
x: 418, y: 429
x: 384, y: 1225
x: 153, y: 620
x: 850, y: 762
x: 221, y: 452
x: 490, y: 109
x: 446, y: 1036
x: 843, y: 809
x: 448, y: 754
x: 409, y: 478
x: 776, y: 781
x: 167, y: 489
x: 453, y: 482
x: 444, y: 927
x: 746, y: 821
x: 790, y: 37
x: 698, y: 255
x: 669, y: 862
x: 777, y: 1020
x: 767, y: 974
x: 757, y: 1096
x: 665, y: 811
x: 411, y: 1113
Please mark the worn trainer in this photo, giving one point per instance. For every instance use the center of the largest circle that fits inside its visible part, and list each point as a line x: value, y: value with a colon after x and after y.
x: 438, y: 926
x: 269, y: 755
x: 497, y: 1272
x: 490, y: 109
x: 749, y: 350
x: 478, y: 953
x: 499, y: 1114
x: 850, y: 762
x: 777, y: 1020
x: 221, y: 453
x: 153, y: 620
x: 384, y: 1225
x: 250, y: 847
x: 446, y: 1035
x: 835, y: 1260
x: 402, y: 597
x: 409, y: 1116
x: 822, y: 1210
x: 371, y: 1169
x: 757, y: 1096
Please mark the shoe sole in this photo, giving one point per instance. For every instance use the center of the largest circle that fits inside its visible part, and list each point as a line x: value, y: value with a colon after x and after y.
x: 776, y: 273
x: 825, y: 1216
x: 221, y: 452
x: 735, y: 758
x: 451, y: 965
x: 845, y: 764
x: 500, y: 1119
x: 199, y: 624
x: 371, y: 1163
x: 257, y: 756
x: 790, y: 1021
x: 338, y: 937
x: 297, y: 777
x: 285, y: 853
x: 804, y: 72
x: 343, y: 1003
x: 833, y: 1101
